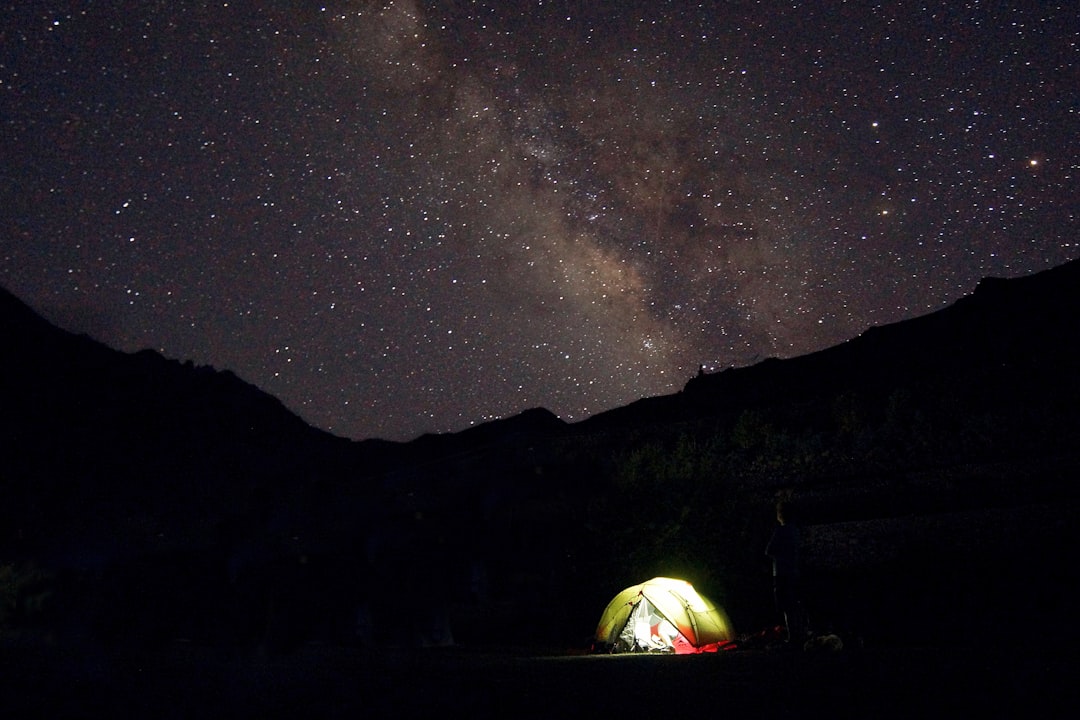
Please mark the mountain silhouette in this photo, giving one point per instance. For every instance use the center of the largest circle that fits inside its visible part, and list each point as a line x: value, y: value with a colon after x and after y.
x: 1011, y: 341
x: 94, y: 440
x: 135, y: 466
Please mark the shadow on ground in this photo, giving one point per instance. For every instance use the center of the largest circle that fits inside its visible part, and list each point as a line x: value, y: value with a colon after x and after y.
x: 39, y: 680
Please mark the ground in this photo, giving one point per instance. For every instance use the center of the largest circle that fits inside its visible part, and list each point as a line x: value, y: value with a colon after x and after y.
x: 182, y: 680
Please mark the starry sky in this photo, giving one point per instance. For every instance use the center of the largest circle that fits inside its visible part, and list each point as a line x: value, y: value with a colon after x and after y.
x: 407, y: 217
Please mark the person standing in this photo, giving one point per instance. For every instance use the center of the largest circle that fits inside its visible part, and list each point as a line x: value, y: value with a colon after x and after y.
x: 783, y: 548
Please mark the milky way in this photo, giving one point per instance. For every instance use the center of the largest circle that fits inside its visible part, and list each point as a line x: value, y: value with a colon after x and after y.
x: 407, y: 217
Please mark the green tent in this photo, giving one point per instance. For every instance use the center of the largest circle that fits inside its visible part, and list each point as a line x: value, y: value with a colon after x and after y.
x: 662, y: 615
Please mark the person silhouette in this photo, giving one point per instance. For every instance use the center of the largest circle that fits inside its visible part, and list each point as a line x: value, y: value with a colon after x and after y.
x: 783, y: 548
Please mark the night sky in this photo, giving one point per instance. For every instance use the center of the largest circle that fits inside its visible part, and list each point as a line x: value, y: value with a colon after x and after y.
x: 407, y: 217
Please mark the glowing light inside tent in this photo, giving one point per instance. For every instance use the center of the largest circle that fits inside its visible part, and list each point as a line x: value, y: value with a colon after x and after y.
x: 663, y: 615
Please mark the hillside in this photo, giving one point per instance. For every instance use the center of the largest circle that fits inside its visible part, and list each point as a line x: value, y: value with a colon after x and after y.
x: 101, y: 447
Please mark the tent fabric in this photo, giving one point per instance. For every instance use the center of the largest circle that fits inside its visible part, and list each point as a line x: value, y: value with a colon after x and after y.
x: 662, y: 615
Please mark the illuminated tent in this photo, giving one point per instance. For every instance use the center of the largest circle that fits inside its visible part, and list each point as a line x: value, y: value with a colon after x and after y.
x: 662, y: 615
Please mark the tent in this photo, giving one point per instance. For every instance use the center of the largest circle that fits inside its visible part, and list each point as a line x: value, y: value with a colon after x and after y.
x: 662, y: 615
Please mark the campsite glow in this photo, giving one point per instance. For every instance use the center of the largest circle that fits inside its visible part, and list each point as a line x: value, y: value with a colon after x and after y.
x: 642, y: 617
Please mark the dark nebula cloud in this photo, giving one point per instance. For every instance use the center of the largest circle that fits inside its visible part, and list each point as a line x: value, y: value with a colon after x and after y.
x: 402, y: 217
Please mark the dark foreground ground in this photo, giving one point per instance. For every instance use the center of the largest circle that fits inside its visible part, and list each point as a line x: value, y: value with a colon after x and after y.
x: 332, y: 682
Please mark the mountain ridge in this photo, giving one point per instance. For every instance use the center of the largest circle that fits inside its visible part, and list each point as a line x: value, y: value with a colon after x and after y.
x: 990, y: 294
x: 1037, y: 306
